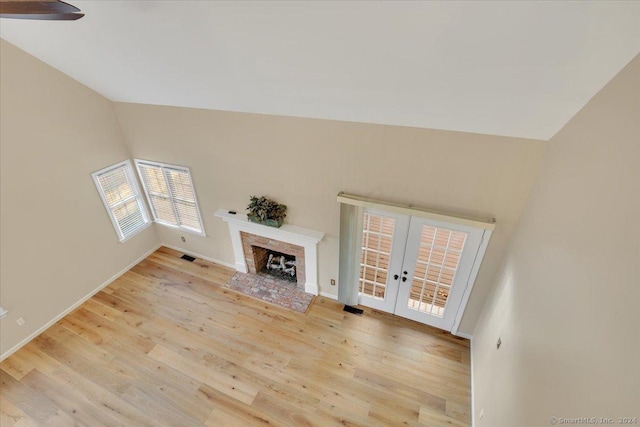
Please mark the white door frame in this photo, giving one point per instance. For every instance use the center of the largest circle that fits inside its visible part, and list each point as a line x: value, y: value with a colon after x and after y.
x: 486, y: 236
x: 477, y: 237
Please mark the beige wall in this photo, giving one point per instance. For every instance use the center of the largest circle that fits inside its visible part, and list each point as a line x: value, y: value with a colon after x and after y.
x: 304, y: 163
x: 57, y: 243
x: 51, y: 121
x: 566, y: 305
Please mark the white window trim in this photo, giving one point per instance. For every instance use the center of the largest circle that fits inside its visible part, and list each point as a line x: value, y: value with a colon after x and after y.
x: 134, y: 181
x: 139, y: 162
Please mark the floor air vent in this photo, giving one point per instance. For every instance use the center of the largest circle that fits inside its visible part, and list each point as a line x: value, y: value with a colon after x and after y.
x: 188, y: 257
x: 353, y: 310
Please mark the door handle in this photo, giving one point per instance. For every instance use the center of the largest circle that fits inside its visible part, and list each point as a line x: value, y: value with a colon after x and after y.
x: 395, y: 277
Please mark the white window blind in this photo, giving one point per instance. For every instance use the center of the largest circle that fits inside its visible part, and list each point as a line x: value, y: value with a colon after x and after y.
x: 171, y: 195
x: 122, y: 198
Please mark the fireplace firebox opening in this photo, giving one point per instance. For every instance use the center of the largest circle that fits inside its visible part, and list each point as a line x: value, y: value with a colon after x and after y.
x: 274, y: 263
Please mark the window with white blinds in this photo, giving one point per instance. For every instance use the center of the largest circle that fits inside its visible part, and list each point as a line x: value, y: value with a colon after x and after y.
x: 171, y: 194
x: 121, y: 196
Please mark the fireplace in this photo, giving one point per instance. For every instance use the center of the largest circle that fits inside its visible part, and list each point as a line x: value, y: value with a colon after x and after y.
x: 260, y: 254
x: 290, y: 240
x: 276, y: 264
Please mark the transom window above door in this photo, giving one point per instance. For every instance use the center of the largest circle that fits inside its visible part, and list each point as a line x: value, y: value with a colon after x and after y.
x: 171, y: 195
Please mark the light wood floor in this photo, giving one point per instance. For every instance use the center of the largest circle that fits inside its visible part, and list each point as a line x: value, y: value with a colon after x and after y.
x: 166, y: 344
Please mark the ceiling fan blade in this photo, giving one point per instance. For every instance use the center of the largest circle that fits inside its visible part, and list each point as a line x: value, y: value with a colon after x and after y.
x: 45, y: 17
x: 43, y: 9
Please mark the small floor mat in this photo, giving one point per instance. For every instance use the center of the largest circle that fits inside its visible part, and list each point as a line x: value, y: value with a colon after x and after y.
x: 272, y: 290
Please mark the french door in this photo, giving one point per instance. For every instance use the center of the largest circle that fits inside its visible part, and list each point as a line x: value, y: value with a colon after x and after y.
x: 416, y: 267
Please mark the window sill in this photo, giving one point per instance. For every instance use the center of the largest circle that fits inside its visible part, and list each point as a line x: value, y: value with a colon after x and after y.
x: 138, y: 231
x: 185, y: 229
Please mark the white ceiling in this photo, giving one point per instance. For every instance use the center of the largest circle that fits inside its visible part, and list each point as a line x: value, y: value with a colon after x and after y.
x: 505, y: 68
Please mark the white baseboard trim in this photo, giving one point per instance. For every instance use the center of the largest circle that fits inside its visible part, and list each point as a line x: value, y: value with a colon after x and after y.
x: 464, y: 335
x: 330, y: 296
x: 75, y: 305
x: 197, y: 255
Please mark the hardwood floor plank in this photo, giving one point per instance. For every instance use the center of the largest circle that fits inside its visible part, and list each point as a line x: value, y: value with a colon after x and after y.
x: 11, y: 415
x: 231, y: 412
x: 458, y: 410
x: 101, y: 398
x: 160, y: 383
x: 102, y: 310
x: 430, y: 418
x: 72, y: 401
x: 285, y: 414
x: 39, y: 360
x: 35, y: 405
x: 167, y: 345
x: 215, y: 377
x: 63, y: 354
x: 62, y: 419
x: 162, y: 411
x: 17, y: 365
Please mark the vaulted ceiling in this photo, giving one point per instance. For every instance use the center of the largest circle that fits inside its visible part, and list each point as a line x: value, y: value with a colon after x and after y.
x: 505, y: 68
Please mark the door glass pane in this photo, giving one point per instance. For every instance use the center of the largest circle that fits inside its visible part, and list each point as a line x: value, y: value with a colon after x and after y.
x: 377, y: 238
x: 438, y: 260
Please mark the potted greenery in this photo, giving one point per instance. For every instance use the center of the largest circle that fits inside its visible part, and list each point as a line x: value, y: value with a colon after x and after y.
x: 266, y: 211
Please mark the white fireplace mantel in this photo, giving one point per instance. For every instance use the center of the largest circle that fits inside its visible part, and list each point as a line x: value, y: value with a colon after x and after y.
x: 304, y: 237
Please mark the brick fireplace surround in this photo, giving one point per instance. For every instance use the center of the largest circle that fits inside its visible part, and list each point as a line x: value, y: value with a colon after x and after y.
x: 249, y: 240
x: 288, y: 239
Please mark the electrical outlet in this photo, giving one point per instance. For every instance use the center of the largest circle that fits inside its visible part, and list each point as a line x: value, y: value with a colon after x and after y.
x: 333, y: 282
x: 183, y: 239
x: 21, y: 321
x: 499, y: 343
